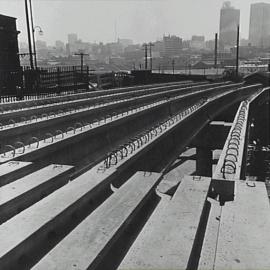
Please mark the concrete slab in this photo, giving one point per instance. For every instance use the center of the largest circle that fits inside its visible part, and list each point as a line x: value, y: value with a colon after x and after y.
x: 167, y: 240
x: 181, y: 167
x: 12, y: 170
x: 85, y: 95
x: 234, y: 157
x: 49, y: 214
x: 32, y: 153
x: 85, y: 244
x: 20, y: 194
x: 126, y: 100
x: 208, y: 252
x: 244, y: 237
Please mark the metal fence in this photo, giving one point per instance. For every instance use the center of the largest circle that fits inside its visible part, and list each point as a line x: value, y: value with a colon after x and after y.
x: 26, y: 82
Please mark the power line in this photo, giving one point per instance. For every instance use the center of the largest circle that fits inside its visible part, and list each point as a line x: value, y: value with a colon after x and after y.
x: 81, y: 55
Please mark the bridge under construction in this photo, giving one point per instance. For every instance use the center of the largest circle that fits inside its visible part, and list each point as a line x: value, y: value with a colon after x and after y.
x: 150, y: 177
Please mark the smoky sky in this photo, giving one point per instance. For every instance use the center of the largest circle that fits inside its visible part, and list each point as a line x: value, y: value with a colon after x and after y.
x: 140, y: 20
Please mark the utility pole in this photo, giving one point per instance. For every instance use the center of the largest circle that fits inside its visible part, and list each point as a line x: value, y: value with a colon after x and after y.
x: 173, y: 62
x: 145, y: 56
x: 33, y: 33
x: 269, y: 64
x: 150, y: 54
x: 81, y: 55
x: 216, y: 45
x: 29, y: 35
x: 237, y: 53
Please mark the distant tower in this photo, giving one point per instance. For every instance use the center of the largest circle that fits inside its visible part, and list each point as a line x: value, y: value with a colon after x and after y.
x: 259, y: 27
x: 72, y: 38
x: 229, y: 20
x: 115, y: 31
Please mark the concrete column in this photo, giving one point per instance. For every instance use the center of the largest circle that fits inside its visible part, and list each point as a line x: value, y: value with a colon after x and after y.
x: 204, y: 161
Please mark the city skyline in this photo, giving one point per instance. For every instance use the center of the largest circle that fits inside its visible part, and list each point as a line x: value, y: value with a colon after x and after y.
x: 104, y: 21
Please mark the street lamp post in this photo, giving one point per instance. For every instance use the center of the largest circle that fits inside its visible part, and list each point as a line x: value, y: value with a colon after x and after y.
x: 34, y: 41
x: 33, y: 33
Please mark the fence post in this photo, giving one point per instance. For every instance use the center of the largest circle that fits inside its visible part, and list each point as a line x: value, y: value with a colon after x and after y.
x: 58, y: 81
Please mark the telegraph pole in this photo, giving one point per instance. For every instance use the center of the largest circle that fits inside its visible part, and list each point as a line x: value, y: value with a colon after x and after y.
x: 237, y: 53
x: 216, y: 45
x: 150, y: 54
x: 145, y: 56
x: 29, y: 35
x: 173, y: 62
x: 81, y: 55
x: 33, y: 33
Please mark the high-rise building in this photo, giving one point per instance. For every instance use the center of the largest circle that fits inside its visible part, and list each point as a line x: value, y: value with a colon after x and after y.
x: 197, y: 42
x: 41, y: 45
x: 125, y: 42
x: 259, y: 28
x: 172, y: 46
x: 229, y: 20
x: 72, y: 38
x: 60, y: 45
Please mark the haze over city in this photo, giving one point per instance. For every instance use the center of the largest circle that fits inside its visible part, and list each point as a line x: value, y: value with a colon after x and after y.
x: 139, y: 20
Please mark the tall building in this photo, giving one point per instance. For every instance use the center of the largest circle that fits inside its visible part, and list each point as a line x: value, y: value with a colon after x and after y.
x: 259, y: 27
x: 197, y: 42
x: 125, y: 42
x: 72, y: 38
x: 59, y: 44
x: 229, y: 20
x: 9, y: 58
x: 41, y: 45
x: 172, y: 46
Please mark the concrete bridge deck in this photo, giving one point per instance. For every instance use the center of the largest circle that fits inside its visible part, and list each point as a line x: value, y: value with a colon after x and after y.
x: 125, y: 208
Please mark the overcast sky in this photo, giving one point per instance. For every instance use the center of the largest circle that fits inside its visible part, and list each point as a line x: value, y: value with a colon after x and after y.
x: 140, y: 20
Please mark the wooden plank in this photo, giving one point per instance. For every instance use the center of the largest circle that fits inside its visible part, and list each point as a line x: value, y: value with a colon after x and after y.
x: 244, y: 237
x: 84, y: 245
x: 20, y: 194
x: 167, y: 240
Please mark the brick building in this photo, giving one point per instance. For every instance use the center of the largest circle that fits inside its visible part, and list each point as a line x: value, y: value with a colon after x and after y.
x: 9, y: 58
